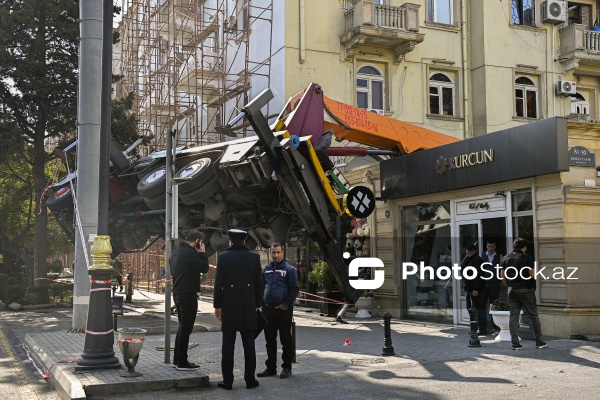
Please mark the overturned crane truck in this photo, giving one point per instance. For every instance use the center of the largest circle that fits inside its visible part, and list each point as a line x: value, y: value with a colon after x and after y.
x: 272, y: 184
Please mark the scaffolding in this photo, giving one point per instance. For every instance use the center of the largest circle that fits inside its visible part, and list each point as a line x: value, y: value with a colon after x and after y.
x: 191, y: 64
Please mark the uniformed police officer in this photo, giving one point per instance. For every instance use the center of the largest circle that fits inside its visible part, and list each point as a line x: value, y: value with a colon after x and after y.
x: 238, y: 295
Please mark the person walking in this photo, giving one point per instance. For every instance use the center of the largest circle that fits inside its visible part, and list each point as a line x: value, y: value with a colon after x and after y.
x: 237, y: 298
x: 281, y: 290
x: 188, y: 261
x: 475, y: 287
x: 518, y: 274
x: 492, y: 285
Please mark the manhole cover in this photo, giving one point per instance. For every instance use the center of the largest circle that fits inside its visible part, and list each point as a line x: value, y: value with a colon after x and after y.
x: 368, y: 361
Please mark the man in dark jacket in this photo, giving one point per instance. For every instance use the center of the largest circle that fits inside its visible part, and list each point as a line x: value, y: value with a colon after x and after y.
x: 475, y: 287
x: 518, y: 274
x: 188, y: 261
x: 281, y: 290
x: 238, y: 295
x: 491, y: 258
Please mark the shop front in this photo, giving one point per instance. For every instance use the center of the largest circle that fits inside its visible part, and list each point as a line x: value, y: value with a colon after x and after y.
x: 519, y: 182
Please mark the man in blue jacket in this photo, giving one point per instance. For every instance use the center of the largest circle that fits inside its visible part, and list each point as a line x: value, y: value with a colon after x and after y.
x: 188, y: 261
x: 280, y: 292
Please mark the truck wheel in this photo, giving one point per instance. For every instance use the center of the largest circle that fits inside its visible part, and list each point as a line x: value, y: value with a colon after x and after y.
x: 154, y: 183
x: 202, y: 193
x: 198, y: 172
x: 157, y: 202
x: 60, y: 200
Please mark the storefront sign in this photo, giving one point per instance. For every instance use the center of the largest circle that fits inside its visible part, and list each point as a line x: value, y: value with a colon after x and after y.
x: 444, y: 164
x: 477, y: 206
x: 581, y: 157
x: 535, y: 149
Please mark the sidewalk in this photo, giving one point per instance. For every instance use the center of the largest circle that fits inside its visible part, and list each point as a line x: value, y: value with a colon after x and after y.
x: 421, y: 349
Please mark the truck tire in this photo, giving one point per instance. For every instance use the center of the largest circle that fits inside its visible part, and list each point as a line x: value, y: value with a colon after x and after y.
x: 198, y: 172
x: 60, y: 199
x: 202, y: 193
x: 154, y: 183
x: 156, y: 202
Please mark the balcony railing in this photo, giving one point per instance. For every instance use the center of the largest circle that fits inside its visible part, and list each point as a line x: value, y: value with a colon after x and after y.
x: 365, y: 12
x: 383, y: 26
x: 579, y: 45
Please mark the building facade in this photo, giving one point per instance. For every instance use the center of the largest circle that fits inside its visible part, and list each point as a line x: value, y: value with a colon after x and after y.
x: 464, y: 68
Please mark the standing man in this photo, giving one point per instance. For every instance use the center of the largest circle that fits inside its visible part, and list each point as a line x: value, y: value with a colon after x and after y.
x: 475, y: 287
x: 188, y: 261
x: 492, y: 285
x: 281, y: 290
x: 238, y: 295
x: 518, y: 274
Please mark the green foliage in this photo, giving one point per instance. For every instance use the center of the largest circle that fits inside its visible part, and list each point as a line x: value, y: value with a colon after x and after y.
x: 499, y: 305
x: 321, y: 275
x: 13, y: 288
x: 124, y: 126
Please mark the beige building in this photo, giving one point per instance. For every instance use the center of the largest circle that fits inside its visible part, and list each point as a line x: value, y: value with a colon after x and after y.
x: 463, y: 68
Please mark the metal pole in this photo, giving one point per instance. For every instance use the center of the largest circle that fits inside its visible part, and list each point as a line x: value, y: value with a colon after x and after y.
x: 104, y: 166
x: 294, y: 338
x: 88, y: 139
x: 473, y: 340
x: 168, y: 243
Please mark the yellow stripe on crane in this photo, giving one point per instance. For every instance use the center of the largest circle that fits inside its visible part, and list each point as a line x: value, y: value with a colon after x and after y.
x: 322, y: 176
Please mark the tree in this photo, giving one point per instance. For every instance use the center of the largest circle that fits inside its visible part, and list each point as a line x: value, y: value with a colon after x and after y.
x: 38, y: 91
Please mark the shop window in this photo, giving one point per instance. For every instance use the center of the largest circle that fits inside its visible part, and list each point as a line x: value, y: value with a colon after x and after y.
x: 525, y: 98
x: 441, y: 94
x: 522, y: 215
x: 440, y: 11
x: 523, y: 12
x: 370, y: 89
x: 427, y: 239
x: 579, y: 105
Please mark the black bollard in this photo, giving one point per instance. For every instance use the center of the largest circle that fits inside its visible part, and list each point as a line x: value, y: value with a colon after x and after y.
x: 294, y: 340
x: 474, y: 340
x: 388, y: 349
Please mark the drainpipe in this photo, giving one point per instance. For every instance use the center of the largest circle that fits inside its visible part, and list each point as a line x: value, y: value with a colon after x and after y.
x: 466, y: 64
x: 373, y: 248
x: 302, y: 55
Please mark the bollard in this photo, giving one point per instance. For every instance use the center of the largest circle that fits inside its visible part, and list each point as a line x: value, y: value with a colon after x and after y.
x: 294, y: 340
x: 388, y: 349
x: 474, y: 340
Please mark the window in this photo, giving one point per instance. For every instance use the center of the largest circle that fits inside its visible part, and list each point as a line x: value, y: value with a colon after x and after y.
x: 580, y: 14
x: 579, y: 105
x: 440, y: 11
x: 369, y: 89
x: 441, y: 94
x: 525, y: 98
x: 523, y: 12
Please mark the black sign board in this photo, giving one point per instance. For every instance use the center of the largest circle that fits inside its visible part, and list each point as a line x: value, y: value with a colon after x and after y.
x: 538, y: 148
x: 581, y: 157
x: 359, y: 202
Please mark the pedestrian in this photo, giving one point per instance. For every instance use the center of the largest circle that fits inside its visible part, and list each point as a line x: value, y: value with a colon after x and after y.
x: 475, y: 286
x: 518, y: 274
x: 188, y: 261
x: 281, y: 290
x: 492, y: 285
x: 237, y: 298
x: 118, y: 275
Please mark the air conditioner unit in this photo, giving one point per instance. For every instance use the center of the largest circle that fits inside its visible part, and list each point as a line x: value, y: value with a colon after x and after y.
x: 566, y: 88
x: 554, y: 11
x: 380, y: 112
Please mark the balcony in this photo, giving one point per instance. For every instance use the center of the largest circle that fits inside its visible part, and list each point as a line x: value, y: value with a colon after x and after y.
x: 390, y: 27
x: 579, y: 46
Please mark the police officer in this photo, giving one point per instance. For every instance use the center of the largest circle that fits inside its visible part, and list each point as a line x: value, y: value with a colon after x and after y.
x: 281, y: 290
x: 238, y: 295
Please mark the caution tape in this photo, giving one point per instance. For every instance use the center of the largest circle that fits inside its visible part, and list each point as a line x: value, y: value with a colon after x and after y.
x: 86, y: 331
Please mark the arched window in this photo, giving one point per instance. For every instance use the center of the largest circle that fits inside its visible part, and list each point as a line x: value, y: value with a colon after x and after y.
x: 525, y: 98
x: 369, y: 89
x: 441, y: 94
x: 579, y: 105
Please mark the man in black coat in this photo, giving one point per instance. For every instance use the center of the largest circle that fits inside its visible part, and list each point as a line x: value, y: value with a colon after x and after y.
x: 238, y: 295
x: 188, y: 261
x: 476, y: 286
